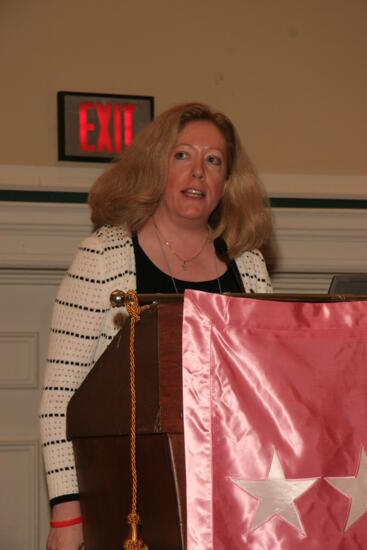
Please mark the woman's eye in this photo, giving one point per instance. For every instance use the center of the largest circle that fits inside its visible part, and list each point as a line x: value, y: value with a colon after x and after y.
x: 180, y: 155
x: 213, y: 159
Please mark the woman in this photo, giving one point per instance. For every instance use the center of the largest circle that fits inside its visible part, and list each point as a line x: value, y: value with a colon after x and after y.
x: 163, y: 213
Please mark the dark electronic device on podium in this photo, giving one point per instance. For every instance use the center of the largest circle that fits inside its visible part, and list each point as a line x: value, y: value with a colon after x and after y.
x: 354, y: 283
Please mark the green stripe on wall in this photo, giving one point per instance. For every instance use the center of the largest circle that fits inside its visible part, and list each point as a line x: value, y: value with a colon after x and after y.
x: 282, y: 202
x: 43, y: 196
x: 81, y: 198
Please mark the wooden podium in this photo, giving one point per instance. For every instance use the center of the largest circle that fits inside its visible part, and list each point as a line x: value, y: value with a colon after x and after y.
x: 98, y: 423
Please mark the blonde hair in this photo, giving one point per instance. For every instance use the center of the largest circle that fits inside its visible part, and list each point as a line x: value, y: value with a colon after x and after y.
x: 130, y: 191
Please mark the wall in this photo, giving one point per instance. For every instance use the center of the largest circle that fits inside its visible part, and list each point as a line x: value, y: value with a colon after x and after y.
x: 290, y: 73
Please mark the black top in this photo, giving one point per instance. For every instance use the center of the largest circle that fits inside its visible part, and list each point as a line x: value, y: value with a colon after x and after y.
x: 150, y: 279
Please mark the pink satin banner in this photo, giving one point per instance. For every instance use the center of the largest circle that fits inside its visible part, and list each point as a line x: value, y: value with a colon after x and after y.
x: 275, y: 415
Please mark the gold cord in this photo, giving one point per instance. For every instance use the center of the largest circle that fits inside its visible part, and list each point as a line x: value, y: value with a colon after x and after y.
x: 134, y: 310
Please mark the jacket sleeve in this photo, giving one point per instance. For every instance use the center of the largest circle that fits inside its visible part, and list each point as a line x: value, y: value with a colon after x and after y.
x: 253, y: 271
x: 78, y: 316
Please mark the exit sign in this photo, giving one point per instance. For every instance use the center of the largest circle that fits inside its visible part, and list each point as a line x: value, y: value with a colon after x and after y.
x: 98, y: 127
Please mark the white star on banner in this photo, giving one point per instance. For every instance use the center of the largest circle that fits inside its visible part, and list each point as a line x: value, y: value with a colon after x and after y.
x: 355, y: 488
x: 276, y: 495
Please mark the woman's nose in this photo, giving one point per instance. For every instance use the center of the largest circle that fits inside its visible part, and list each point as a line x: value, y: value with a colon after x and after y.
x: 197, y: 171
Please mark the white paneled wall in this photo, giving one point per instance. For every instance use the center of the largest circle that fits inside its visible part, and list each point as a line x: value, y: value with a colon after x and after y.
x: 26, y: 298
x: 311, y: 244
x: 19, y: 502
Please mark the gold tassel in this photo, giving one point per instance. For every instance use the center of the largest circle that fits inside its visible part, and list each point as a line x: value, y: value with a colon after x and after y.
x: 133, y: 542
x: 130, y: 298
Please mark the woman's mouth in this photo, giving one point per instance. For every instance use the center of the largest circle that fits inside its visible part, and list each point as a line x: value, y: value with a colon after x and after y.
x: 191, y: 192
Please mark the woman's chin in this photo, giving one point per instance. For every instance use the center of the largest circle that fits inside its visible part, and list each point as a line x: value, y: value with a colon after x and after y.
x: 195, y: 214
x: 194, y: 210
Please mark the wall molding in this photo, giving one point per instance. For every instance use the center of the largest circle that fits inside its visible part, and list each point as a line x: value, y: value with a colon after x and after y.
x: 19, y: 349
x: 310, y: 283
x: 32, y: 277
x: 41, y: 235
x: 320, y: 241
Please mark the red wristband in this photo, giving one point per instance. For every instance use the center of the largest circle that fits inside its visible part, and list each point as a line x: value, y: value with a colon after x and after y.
x: 67, y: 522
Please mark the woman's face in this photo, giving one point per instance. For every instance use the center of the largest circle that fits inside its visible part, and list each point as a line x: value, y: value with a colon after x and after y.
x: 196, y: 173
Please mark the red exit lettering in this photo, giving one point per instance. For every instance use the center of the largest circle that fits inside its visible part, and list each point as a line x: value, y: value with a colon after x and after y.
x: 85, y: 126
x: 105, y: 141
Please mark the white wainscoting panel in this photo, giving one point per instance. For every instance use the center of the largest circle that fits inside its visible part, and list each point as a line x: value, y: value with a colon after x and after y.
x: 41, y: 235
x: 301, y: 283
x: 308, y: 241
x: 320, y: 240
x: 19, y: 360
x: 19, y: 495
x: 26, y: 298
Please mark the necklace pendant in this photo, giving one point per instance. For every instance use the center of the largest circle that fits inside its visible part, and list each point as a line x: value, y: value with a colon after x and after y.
x: 183, y: 266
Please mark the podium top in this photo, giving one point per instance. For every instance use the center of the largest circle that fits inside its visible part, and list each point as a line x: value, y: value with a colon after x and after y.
x: 281, y: 297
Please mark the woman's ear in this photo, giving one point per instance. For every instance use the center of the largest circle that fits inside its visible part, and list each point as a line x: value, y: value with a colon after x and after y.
x: 226, y: 183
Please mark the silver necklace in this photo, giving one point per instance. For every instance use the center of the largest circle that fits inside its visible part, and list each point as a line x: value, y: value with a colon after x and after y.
x: 184, y: 261
x: 169, y: 267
